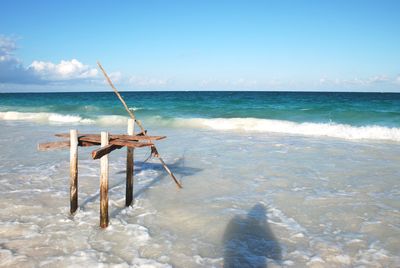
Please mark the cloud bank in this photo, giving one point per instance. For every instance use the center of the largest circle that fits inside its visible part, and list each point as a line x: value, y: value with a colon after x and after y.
x: 46, y: 75
x: 12, y: 70
x: 65, y: 70
x: 62, y: 74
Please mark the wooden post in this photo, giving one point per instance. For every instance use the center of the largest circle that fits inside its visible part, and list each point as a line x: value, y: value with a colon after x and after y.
x: 104, y: 183
x: 129, y: 167
x: 73, y: 181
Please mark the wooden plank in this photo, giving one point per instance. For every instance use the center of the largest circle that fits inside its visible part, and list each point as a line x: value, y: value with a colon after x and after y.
x: 47, y: 146
x: 120, y: 142
x: 129, y: 167
x: 53, y: 145
x: 138, y: 137
x: 73, y: 188
x: 104, y: 183
x: 85, y: 141
x: 96, y: 154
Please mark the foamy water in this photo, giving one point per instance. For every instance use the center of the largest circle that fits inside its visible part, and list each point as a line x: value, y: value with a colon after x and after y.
x: 249, y: 125
x: 253, y: 198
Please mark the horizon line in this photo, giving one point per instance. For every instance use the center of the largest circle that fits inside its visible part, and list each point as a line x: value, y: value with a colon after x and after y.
x: 142, y: 91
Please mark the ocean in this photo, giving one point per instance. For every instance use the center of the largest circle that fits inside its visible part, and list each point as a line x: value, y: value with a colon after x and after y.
x: 277, y: 179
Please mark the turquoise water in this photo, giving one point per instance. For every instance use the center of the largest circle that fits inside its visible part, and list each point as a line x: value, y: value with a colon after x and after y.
x: 356, y: 109
x: 270, y: 180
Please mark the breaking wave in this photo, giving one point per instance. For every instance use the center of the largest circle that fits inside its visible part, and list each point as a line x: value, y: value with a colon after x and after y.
x: 334, y: 130
x: 43, y: 117
x: 250, y: 125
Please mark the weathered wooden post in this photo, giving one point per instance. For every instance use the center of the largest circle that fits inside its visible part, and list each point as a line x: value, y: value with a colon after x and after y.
x: 73, y: 181
x: 129, y: 167
x: 104, y: 183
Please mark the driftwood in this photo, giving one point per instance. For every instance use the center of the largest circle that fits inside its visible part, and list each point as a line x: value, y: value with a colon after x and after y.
x: 53, y: 145
x: 131, y: 114
x: 138, y: 137
x: 129, y: 167
x: 104, y: 184
x: 63, y: 145
x: 73, y: 181
x: 96, y: 154
x: 92, y: 140
x: 127, y: 143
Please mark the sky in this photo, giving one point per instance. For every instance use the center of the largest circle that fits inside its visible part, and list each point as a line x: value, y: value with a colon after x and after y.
x: 351, y: 45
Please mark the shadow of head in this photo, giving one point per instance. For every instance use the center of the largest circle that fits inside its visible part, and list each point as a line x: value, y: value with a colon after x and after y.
x: 248, y: 241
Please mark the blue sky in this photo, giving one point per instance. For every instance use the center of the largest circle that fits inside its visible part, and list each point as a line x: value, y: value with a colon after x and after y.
x: 200, y: 45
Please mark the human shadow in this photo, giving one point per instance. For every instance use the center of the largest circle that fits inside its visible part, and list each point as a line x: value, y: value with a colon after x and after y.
x: 248, y: 241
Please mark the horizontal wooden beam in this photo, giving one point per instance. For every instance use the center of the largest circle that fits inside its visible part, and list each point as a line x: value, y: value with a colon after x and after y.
x: 53, y: 145
x: 138, y: 137
x: 47, y: 146
x: 121, y: 142
x: 91, y: 141
x: 96, y: 154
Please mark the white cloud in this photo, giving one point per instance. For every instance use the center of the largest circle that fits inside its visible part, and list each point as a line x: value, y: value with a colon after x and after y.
x: 397, y: 80
x: 65, y: 70
x: 138, y: 81
x: 240, y: 84
x: 378, y: 79
x: 12, y: 71
x: 147, y: 82
x: 360, y: 82
x: 11, y: 68
x: 7, y: 45
x: 116, y: 77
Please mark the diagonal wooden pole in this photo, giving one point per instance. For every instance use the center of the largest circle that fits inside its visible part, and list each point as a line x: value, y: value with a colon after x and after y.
x: 132, y: 115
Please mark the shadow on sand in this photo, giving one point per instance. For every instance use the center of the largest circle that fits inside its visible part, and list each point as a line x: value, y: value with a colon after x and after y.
x: 178, y: 168
x: 248, y: 241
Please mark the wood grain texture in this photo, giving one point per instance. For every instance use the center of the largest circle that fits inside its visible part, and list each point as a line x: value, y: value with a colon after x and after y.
x: 129, y: 167
x: 104, y: 183
x: 138, y: 137
x: 73, y: 189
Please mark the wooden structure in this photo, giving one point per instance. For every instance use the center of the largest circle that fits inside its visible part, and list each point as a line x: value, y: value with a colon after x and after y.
x: 107, y: 143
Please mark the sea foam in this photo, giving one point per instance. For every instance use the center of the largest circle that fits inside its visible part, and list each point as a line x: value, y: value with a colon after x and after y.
x: 333, y: 130
x: 249, y: 125
x: 43, y: 117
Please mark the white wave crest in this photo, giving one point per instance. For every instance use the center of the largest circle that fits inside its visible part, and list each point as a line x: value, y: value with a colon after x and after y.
x: 251, y: 125
x: 43, y: 117
x: 334, y: 130
x: 55, y: 118
x: 135, y: 108
x: 112, y: 120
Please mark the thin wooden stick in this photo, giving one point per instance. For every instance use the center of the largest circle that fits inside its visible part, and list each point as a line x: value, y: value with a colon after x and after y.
x: 153, y: 147
x: 129, y: 167
x: 73, y: 181
x: 104, y: 184
x: 116, y: 91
